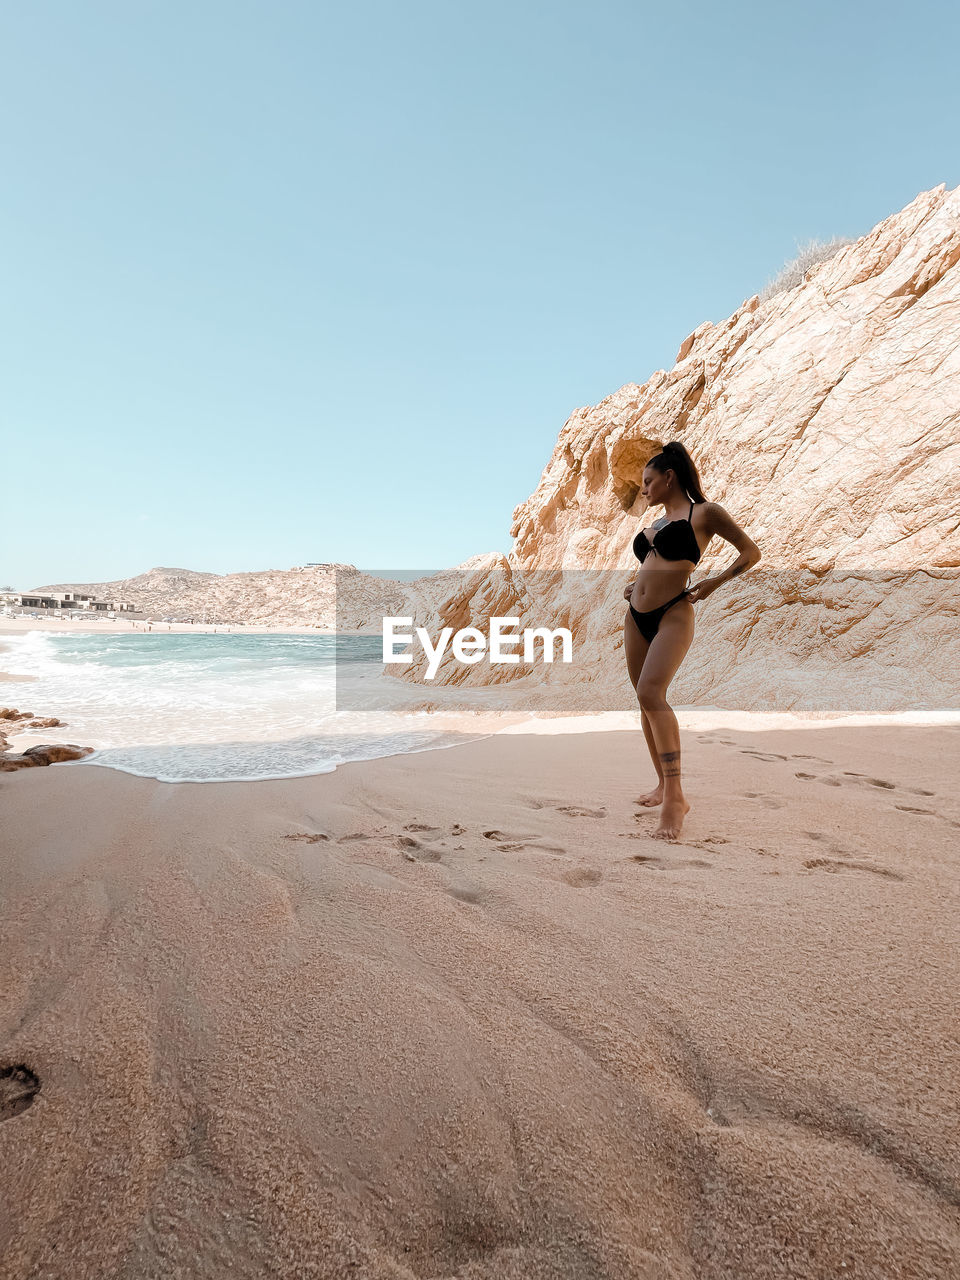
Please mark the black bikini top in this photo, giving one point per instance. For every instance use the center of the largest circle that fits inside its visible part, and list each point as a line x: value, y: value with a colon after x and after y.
x: 675, y: 541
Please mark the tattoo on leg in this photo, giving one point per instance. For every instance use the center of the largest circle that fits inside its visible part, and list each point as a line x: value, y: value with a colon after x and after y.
x: 670, y: 760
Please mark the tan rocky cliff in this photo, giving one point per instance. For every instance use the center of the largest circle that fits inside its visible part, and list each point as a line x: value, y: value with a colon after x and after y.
x: 825, y: 420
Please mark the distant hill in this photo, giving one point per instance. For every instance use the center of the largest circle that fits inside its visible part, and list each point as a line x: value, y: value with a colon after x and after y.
x: 159, y: 579
x: 275, y: 597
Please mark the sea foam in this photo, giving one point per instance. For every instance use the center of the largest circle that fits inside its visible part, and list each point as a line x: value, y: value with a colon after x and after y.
x: 217, y: 708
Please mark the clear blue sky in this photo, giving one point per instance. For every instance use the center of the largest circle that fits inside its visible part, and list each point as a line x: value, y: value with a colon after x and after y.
x: 287, y: 281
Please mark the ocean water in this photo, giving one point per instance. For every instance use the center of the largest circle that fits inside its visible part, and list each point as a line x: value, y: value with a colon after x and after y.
x: 224, y: 707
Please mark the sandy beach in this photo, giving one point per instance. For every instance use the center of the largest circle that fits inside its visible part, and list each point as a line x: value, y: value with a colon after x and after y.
x: 456, y: 1014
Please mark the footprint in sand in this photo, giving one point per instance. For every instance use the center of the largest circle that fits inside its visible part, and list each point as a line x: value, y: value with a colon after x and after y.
x: 571, y: 810
x: 926, y: 813
x: 768, y: 802
x: 414, y: 851
x: 666, y: 864
x: 419, y: 826
x: 761, y: 755
x: 821, y: 837
x: 827, y: 841
x: 850, y: 778
x: 870, y: 782
x: 507, y: 843
x: 18, y: 1088
x: 467, y: 893
x: 581, y: 877
x: 834, y: 865
x: 305, y: 836
x: 708, y: 842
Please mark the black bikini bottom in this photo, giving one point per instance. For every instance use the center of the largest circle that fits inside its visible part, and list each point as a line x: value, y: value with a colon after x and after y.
x: 649, y: 622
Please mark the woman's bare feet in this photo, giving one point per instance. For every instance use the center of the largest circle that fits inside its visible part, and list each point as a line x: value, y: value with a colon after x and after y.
x: 671, y: 818
x: 652, y: 798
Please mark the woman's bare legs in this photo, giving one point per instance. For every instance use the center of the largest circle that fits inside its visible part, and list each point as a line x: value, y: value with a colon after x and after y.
x: 654, y: 797
x: 664, y: 654
x: 636, y: 648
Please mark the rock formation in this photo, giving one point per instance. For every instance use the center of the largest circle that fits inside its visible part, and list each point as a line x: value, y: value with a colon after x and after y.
x: 43, y: 754
x: 825, y: 420
x: 40, y: 754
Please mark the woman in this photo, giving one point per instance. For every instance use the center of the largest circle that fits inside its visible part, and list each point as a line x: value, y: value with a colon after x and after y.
x: 659, y: 627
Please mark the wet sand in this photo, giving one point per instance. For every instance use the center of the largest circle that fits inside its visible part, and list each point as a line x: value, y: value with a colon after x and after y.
x: 456, y: 1014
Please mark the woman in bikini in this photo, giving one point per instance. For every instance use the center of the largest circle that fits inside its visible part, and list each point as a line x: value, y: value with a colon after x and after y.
x: 659, y: 626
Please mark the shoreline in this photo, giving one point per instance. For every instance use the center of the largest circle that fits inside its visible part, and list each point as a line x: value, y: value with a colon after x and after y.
x: 693, y: 720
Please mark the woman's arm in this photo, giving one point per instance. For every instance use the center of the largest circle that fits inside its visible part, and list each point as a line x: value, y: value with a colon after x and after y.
x: 720, y: 522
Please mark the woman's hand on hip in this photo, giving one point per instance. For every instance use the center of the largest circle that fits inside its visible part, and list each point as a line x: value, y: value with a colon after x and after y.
x: 703, y: 589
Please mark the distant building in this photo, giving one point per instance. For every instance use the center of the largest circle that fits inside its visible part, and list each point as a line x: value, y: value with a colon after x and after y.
x: 67, y: 602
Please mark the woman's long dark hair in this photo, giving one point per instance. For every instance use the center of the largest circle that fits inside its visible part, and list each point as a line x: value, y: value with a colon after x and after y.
x: 674, y: 457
